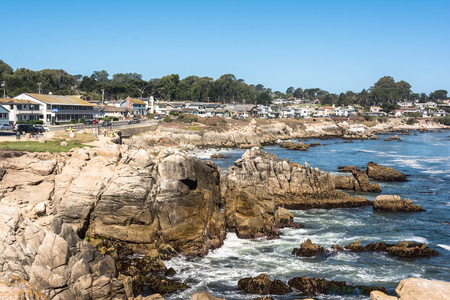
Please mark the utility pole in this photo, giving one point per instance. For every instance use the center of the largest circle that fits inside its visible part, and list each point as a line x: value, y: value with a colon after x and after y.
x: 103, y: 96
x: 39, y: 87
x: 4, y: 88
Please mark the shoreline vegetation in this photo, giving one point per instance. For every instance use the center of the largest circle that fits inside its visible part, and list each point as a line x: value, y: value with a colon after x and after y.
x: 99, y: 222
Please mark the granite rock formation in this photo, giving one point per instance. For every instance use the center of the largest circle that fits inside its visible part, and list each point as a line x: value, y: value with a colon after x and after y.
x: 417, y: 288
x: 50, y: 202
x: 394, y: 203
x: 382, y: 173
x: 357, y: 181
x: 291, y: 185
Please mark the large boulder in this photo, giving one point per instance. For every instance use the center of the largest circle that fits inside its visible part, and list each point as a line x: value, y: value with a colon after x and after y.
x: 416, y: 288
x: 129, y: 196
x: 381, y: 173
x: 394, y: 203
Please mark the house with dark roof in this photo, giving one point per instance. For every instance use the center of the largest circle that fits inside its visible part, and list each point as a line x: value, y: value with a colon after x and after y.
x: 55, y: 108
x: 137, y: 106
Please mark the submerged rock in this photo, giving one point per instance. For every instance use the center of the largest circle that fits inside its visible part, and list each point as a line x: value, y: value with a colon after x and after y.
x: 348, y: 169
x: 395, y: 203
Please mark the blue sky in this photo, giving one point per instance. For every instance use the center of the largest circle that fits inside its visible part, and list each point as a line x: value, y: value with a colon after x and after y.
x: 334, y: 45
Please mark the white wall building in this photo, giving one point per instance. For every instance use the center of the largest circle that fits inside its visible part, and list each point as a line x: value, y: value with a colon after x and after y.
x: 55, y: 108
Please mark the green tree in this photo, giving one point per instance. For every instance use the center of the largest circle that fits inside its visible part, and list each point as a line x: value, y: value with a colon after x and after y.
x: 5, y: 70
x: 438, y: 95
x: 298, y: 93
x: 100, y: 76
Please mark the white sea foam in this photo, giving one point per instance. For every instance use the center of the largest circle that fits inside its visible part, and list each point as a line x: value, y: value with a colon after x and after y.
x: 410, y: 162
x: 431, y: 171
x: 417, y: 239
x: 446, y: 247
x: 448, y: 204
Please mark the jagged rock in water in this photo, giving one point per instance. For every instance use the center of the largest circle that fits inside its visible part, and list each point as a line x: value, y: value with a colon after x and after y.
x: 358, y: 181
x: 249, y: 216
x: 161, y: 285
x: 290, y: 185
x: 309, y: 286
x: 401, y: 249
x: 355, y: 247
x: 262, y: 285
x: 308, y: 249
x: 395, y: 203
x: 382, y: 173
x: 411, y: 250
x: 285, y: 219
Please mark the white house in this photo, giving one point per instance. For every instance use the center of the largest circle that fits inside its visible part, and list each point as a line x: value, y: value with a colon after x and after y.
x: 53, y: 108
x: 21, y: 110
x: 405, y: 104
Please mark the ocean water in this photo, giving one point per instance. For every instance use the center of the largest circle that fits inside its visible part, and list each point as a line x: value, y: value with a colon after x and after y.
x: 425, y: 157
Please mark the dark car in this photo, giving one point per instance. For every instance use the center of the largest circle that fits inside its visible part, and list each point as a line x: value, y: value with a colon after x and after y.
x: 89, y: 122
x: 106, y: 123
x: 26, y: 128
x: 134, y: 121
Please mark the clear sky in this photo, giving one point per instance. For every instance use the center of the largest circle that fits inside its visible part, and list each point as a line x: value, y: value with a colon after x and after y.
x: 333, y: 45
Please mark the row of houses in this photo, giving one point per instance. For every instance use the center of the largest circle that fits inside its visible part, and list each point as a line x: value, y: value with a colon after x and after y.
x: 63, y: 109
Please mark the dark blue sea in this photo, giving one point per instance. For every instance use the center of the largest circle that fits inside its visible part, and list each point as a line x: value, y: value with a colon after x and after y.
x: 424, y: 157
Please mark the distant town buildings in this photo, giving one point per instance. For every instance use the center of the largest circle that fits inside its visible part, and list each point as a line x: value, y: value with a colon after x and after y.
x: 63, y: 109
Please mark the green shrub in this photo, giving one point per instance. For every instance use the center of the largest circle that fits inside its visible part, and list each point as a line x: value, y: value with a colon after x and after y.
x: 192, y: 128
x: 73, y: 121
x: 168, y: 119
x: 411, y: 121
x: 187, y: 118
x: 82, y: 120
x: 35, y: 122
x: 445, y: 120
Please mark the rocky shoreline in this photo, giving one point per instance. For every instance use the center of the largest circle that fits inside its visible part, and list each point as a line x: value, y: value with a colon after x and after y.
x: 70, y: 222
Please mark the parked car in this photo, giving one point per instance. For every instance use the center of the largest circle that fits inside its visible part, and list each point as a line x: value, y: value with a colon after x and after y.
x: 157, y: 117
x: 106, y: 123
x: 134, y: 121
x: 26, y: 128
x: 89, y: 122
x: 6, y: 127
x: 94, y: 121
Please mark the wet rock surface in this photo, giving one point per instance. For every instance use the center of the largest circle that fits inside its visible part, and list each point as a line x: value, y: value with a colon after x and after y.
x: 262, y: 285
x: 308, y: 249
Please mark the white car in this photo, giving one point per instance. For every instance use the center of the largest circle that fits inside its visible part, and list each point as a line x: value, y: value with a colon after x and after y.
x: 43, y: 128
x: 6, y: 127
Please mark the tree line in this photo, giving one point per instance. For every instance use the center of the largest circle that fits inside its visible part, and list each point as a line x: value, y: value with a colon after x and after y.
x: 386, y: 92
